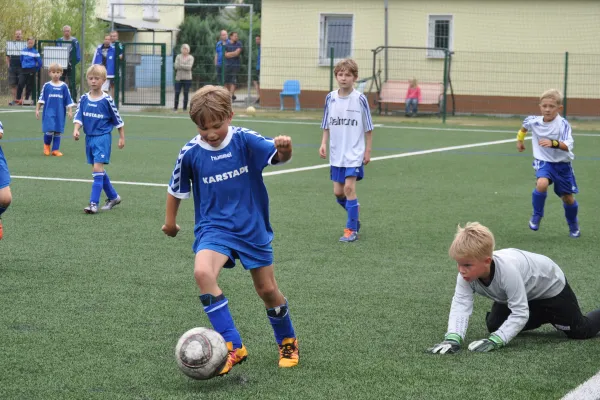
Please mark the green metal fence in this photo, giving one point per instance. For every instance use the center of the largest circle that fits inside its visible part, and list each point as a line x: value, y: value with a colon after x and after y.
x: 142, y: 77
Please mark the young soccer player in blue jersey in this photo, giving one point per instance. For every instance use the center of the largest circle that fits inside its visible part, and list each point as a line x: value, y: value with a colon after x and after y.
x: 56, y: 98
x: 231, y: 203
x: 552, y: 144
x: 98, y: 116
x: 5, y: 194
x: 348, y: 128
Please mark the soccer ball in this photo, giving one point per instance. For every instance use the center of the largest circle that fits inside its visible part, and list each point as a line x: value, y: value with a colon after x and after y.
x: 251, y: 110
x: 201, y: 353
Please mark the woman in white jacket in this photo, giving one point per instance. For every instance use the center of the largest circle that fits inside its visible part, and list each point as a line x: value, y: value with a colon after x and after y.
x: 183, y: 76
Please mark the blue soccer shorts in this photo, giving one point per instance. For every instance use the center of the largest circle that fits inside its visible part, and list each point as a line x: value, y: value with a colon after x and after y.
x: 251, y: 256
x: 561, y: 174
x: 4, y: 174
x: 339, y: 174
x: 97, y: 148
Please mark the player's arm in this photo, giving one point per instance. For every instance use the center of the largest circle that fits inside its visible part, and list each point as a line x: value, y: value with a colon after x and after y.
x: 37, y: 109
x: 170, y: 228
x: 324, y: 141
x: 121, y: 130
x: 283, y: 144
x: 458, y: 320
x: 519, y: 315
x: 368, y: 146
x: 565, y: 142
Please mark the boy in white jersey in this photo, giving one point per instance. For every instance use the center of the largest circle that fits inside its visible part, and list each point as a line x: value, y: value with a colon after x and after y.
x: 528, y: 290
x: 552, y: 144
x: 97, y: 114
x: 348, y: 128
x: 56, y: 99
x: 223, y: 167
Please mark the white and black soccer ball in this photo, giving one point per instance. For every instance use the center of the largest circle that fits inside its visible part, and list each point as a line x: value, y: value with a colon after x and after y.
x: 201, y: 353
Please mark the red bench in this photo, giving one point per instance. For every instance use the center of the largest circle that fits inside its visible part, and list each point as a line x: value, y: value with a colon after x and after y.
x: 394, y: 92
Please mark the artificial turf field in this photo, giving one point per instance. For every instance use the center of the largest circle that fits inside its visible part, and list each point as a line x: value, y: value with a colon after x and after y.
x: 93, y: 305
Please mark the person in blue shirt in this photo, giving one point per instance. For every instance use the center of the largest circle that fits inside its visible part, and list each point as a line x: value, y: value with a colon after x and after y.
x: 31, y: 62
x: 56, y: 99
x: 219, y: 52
x: 98, y: 116
x: 5, y: 194
x: 106, y: 55
x: 223, y: 167
x: 233, y: 49
x: 74, y: 52
x: 256, y: 80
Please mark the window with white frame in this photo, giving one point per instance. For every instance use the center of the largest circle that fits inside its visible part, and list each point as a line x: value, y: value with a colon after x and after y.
x: 151, y: 10
x: 119, y: 8
x: 335, y: 32
x: 439, y: 34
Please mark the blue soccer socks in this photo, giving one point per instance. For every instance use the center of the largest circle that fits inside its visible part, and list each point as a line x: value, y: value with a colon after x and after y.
x: 110, y: 191
x: 352, y: 208
x: 48, y: 138
x: 571, y: 216
x: 3, y: 209
x: 341, y: 201
x: 96, y: 187
x: 217, y: 310
x: 55, y: 141
x: 538, y: 199
x: 280, y: 320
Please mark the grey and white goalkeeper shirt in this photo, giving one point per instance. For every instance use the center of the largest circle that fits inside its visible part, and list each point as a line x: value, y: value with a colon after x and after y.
x: 519, y: 277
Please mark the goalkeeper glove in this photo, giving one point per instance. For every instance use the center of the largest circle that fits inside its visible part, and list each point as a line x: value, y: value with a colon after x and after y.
x: 450, y: 345
x: 494, y: 342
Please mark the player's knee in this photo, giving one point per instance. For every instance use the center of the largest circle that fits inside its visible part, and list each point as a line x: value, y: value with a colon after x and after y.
x: 542, y: 184
x: 5, y: 197
x: 493, y: 323
x: 267, y: 290
x: 203, y: 273
x: 349, y: 191
x: 568, y: 199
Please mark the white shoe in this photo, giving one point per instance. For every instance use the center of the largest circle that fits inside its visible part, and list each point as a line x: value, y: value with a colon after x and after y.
x: 109, y: 204
x: 91, y: 209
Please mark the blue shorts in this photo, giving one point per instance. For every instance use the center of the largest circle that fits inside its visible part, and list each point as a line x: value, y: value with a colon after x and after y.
x: 339, y: 174
x: 97, y: 148
x: 561, y: 174
x: 4, y: 174
x: 250, y: 256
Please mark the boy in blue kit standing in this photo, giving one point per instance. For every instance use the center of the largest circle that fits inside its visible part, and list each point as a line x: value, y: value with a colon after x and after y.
x: 552, y: 144
x: 5, y: 194
x: 231, y: 203
x: 56, y: 98
x: 346, y: 125
x: 98, y: 115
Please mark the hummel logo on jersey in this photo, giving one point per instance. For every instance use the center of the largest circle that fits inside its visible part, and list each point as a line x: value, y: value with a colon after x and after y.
x: 92, y: 105
x: 221, y: 156
x: 225, y: 176
x: 343, y: 121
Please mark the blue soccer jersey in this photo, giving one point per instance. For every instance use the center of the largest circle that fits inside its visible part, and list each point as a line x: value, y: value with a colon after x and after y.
x: 230, y: 198
x: 98, y: 116
x: 55, y: 98
x: 4, y: 174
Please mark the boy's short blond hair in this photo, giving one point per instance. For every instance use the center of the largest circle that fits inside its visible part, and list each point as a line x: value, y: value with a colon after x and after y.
x: 473, y: 241
x: 96, y: 70
x: 210, y: 104
x: 55, y: 67
x: 346, y: 64
x: 552, y: 94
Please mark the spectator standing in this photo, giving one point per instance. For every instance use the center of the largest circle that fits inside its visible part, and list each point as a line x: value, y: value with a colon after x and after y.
x: 14, y: 69
x: 184, y: 63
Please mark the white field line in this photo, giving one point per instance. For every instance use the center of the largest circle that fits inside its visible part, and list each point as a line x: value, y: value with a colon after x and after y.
x: 286, y: 171
x: 15, y: 111
x: 588, y: 390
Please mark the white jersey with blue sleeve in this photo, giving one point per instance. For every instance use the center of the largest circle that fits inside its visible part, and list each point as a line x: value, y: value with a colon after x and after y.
x: 347, y: 118
x: 230, y: 198
x: 518, y: 277
x: 557, y: 129
x: 98, y: 116
x: 55, y: 98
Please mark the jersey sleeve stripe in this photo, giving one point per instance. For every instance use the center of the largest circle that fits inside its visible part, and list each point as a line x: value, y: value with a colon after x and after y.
x: 326, y: 112
x: 365, y: 106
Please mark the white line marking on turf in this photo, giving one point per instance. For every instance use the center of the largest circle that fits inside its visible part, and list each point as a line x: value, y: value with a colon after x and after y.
x: 588, y: 390
x: 14, y: 111
x: 287, y: 171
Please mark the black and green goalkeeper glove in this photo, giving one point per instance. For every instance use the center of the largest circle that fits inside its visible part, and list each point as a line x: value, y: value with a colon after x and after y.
x: 494, y: 342
x: 450, y: 345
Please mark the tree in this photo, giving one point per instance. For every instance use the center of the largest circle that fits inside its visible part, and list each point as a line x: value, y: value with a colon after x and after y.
x: 26, y: 15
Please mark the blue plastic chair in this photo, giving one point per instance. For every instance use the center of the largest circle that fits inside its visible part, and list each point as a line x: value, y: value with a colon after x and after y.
x: 291, y: 88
